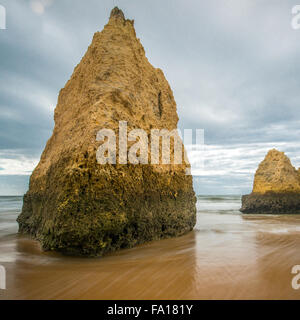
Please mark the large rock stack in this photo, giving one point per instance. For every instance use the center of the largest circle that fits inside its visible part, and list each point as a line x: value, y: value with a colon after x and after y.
x: 76, y: 205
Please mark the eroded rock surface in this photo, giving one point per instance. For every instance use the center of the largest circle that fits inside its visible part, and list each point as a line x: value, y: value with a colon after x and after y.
x: 77, y: 206
x: 276, y: 187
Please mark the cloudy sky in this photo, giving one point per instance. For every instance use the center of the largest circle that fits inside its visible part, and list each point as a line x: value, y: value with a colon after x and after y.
x: 233, y: 65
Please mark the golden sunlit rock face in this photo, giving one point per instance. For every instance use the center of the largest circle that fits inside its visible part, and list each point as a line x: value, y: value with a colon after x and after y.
x: 276, y: 174
x: 276, y: 187
x: 77, y: 206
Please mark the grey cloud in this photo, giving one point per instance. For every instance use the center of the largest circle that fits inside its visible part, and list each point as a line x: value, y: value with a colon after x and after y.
x: 233, y: 66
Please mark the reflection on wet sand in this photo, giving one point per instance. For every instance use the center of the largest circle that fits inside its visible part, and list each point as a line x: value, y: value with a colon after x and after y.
x: 162, y: 270
x: 277, y: 252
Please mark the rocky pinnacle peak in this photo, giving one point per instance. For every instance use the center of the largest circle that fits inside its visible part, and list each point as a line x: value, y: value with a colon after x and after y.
x: 117, y: 13
x: 275, y: 152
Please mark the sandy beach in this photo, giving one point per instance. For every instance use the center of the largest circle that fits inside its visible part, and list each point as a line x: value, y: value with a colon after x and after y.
x: 227, y: 256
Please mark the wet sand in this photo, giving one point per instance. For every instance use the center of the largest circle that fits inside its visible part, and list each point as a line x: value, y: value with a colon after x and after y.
x: 227, y: 256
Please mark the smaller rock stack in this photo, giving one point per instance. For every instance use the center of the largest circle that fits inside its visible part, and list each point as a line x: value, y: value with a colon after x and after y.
x: 276, y: 188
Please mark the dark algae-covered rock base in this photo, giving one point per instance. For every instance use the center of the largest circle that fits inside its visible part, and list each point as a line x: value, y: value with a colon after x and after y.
x: 272, y: 203
x: 77, y: 206
x: 276, y: 188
